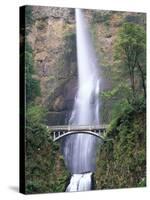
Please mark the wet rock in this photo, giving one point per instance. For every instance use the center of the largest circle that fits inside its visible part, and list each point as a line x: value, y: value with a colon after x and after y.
x: 59, y: 103
x: 57, y: 118
x: 63, y: 96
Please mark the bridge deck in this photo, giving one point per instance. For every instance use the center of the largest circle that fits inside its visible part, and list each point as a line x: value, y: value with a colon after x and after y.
x: 77, y: 127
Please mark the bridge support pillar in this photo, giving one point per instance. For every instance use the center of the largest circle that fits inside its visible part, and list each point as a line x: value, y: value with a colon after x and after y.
x: 54, y: 135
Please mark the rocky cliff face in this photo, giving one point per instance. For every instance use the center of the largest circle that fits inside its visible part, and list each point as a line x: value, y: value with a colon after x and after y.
x: 53, y: 41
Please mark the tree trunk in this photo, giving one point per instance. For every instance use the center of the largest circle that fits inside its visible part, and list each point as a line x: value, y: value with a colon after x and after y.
x: 143, y: 80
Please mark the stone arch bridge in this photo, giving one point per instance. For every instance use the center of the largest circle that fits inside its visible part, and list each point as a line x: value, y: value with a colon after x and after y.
x: 59, y: 132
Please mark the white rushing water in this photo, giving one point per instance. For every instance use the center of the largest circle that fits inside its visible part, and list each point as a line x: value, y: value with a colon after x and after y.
x: 80, y: 149
x: 80, y: 182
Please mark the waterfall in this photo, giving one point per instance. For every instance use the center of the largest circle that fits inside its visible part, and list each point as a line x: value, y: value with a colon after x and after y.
x: 79, y: 182
x: 80, y: 149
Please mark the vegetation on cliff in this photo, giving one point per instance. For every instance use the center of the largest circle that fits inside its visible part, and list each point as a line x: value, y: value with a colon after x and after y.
x: 122, y: 160
x: 44, y: 166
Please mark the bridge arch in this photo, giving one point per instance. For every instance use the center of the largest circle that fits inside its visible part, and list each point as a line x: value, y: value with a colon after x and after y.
x: 78, y: 132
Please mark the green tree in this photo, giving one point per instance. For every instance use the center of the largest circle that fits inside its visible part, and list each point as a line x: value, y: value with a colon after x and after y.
x: 131, y: 50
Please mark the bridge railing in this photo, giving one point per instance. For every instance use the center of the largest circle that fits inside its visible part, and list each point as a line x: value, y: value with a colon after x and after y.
x: 77, y: 127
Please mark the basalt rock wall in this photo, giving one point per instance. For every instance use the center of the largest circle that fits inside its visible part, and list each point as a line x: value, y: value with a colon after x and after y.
x: 53, y: 40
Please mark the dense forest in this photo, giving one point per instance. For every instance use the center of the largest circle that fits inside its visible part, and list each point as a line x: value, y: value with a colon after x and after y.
x: 51, y: 82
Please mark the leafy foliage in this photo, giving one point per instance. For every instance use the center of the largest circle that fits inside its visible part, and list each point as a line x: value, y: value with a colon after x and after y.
x: 45, y: 170
x: 122, y: 162
x: 35, y: 114
x: 128, y: 73
x: 130, y: 50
